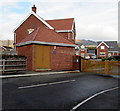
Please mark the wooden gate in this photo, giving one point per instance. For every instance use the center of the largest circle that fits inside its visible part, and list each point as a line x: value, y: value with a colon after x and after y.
x: 102, y: 67
x: 42, y: 57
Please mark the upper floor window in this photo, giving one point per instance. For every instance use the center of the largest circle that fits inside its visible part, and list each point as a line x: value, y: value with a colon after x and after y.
x: 102, y: 47
x: 30, y: 30
x: 82, y: 46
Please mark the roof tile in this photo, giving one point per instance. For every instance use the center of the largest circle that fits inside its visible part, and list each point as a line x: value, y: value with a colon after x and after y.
x: 61, y: 24
x: 46, y: 35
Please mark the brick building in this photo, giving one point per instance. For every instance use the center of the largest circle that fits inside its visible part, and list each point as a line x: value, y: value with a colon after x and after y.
x: 83, y: 51
x: 107, y: 49
x: 47, y: 44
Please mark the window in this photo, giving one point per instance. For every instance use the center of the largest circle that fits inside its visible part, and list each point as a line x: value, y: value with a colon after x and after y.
x: 102, y: 47
x: 82, y: 54
x: 102, y: 53
x: 82, y: 46
x: 111, y: 46
x: 30, y: 30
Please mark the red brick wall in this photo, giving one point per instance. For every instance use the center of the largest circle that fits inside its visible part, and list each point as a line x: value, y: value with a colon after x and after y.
x: 65, y: 35
x: 26, y: 51
x: 63, y: 59
x: 31, y: 23
x: 102, y: 50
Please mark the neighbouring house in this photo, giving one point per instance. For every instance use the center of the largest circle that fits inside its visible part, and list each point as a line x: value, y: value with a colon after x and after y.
x: 107, y: 49
x: 83, y: 51
x: 47, y: 44
x: 87, y: 49
x: 91, y: 53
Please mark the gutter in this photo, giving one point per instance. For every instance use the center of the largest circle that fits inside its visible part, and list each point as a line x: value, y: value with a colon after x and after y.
x: 44, y: 43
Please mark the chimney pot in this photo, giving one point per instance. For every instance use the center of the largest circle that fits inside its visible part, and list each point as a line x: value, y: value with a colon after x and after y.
x: 34, y: 8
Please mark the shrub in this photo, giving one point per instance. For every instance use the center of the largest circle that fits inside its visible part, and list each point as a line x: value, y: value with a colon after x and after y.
x: 117, y: 58
x: 111, y: 58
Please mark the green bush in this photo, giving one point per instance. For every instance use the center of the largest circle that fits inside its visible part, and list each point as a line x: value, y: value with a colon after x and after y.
x: 116, y: 58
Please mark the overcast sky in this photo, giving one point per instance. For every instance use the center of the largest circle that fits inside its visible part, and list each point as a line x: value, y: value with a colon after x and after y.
x: 94, y: 19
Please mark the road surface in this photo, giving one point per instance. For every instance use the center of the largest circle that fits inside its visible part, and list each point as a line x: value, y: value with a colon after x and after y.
x: 59, y: 91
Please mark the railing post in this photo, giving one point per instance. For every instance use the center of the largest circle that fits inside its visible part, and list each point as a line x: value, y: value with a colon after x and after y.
x: 82, y: 65
x: 3, y: 65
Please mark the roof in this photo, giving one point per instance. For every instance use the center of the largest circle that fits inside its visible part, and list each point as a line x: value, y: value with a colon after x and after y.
x: 99, y: 44
x: 91, y: 46
x: 45, y: 36
x: 113, y: 46
x: 61, y: 24
x: 58, y: 24
x: 37, y: 16
x: 91, y: 51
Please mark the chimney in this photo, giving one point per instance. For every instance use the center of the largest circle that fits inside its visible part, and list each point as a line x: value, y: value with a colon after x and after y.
x: 34, y: 8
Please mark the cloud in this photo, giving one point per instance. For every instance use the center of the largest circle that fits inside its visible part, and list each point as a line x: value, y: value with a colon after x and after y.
x: 94, y: 19
x: 97, y: 22
x: 9, y: 23
x: 98, y: 32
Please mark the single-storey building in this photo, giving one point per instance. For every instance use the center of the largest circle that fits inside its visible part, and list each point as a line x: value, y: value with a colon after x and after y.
x: 47, y: 44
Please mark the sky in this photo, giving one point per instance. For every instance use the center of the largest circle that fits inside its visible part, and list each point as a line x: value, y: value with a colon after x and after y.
x: 94, y: 19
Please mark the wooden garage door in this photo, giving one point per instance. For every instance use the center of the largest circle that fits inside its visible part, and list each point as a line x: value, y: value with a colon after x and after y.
x: 42, y: 57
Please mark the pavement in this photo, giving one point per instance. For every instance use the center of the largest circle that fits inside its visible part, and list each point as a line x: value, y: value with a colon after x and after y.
x: 31, y: 73
x: 59, y: 92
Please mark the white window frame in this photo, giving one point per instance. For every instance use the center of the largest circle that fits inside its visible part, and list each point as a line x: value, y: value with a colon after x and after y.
x: 73, y: 36
x: 102, y: 47
x: 102, y: 53
x: 30, y: 31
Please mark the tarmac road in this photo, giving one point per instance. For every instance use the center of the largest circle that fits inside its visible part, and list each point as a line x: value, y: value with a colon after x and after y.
x: 59, y: 91
x: 108, y: 100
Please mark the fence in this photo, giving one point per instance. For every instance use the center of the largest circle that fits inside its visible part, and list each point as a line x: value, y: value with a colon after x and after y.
x: 12, y: 65
x: 9, y: 52
x: 102, y: 67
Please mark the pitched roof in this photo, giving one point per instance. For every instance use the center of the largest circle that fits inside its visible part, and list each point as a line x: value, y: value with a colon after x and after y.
x: 61, y: 24
x: 102, y: 42
x: 91, y: 51
x: 113, y: 46
x: 37, y: 16
x: 46, y: 36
